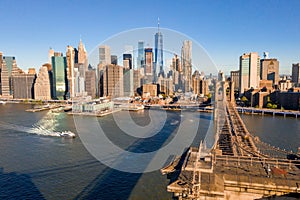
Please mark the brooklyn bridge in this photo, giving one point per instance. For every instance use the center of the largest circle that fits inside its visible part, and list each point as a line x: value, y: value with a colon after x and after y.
x: 236, y: 166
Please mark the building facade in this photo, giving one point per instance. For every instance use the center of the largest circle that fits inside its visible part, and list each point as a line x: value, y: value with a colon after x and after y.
x: 235, y: 77
x: 269, y: 70
x: 90, y: 83
x: 186, y: 61
x: 104, y: 55
x: 112, y: 81
x: 23, y: 86
x: 59, y: 76
x: 296, y: 73
x: 249, y: 71
x: 158, y: 60
x: 42, y: 85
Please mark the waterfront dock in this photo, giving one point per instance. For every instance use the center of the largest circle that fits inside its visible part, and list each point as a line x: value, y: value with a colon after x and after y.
x: 95, y: 114
x: 265, y: 111
x: 43, y: 108
x: 238, y: 166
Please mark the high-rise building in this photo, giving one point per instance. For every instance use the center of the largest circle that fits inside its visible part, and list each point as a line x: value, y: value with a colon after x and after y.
x: 158, y: 55
x: 23, y: 86
x: 1, y: 57
x: 42, y: 85
x: 165, y: 85
x: 127, y: 61
x: 104, y: 55
x: 249, y: 71
x: 186, y: 62
x: 128, y: 82
x: 296, y: 73
x: 200, y: 86
x: 136, y: 80
x: 141, y: 55
x: 82, y: 55
x: 4, y: 81
x: 235, y: 77
x: 112, y: 81
x: 148, y: 62
x: 269, y: 70
x: 90, y: 83
x: 70, y: 56
x: 59, y: 69
x: 50, y: 54
x: 114, y: 59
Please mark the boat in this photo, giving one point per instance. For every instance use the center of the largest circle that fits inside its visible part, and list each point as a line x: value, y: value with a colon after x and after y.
x: 67, y: 134
x: 3, y: 102
x: 68, y: 108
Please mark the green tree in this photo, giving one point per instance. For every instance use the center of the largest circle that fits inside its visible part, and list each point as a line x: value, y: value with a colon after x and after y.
x: 244, y: 99
x: 274, y: 106
x: 269, y: 105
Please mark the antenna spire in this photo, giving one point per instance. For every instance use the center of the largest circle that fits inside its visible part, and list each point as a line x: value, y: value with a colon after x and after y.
x: 158, y: 24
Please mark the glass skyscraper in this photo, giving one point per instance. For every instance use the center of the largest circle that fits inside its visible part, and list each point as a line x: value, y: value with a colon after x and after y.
x: 158, y: 60
x: 59, y: 84
x: 141, y: 55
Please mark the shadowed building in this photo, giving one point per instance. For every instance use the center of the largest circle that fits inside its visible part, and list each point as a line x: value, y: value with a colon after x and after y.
x: 23, y: 86
x: 148, y: 62
x: 150, y: 90
x: 114, y: 59
x: 235, y: 77
x: 42, y: 85
x: 59, y: 77
x: 90, y: 83
x: 296, y: 73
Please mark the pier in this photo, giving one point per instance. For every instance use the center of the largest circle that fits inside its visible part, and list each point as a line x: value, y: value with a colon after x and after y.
x: 237, y: 166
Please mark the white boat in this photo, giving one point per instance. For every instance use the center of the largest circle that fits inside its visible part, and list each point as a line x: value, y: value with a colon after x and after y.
x: 3, y: 102
x: 67, y: 134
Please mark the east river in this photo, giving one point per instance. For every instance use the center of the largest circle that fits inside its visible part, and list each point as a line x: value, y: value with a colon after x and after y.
x: 35, y: 165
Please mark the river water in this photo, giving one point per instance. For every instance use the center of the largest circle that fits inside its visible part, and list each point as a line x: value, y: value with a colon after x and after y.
x: 34, y: 165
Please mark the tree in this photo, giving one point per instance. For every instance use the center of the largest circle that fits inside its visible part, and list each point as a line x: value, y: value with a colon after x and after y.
x: 274, y: 106
x: 269, y: 105
x: 244, y: 99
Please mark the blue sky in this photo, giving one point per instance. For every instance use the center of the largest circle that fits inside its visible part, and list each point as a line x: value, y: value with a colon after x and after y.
x: 226, y: 29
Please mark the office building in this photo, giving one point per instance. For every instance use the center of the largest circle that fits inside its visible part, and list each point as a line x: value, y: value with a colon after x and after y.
x: 90, y: 83
x: 158, y: 50
x: 112, y: 81
x: 82, y: 55
x: 128, y: 82
x: 148, y: 62
x: 114, y: 59
x: 5, y: 92
x: 141, y: 55
x: 235, y: 77
x: 165, y: 85
x: 150, y: 90
x: 186, y: 61
x: 296, y: 73
x: 42, y: 85
x: 104, y: 56
x: 23, y: 86
x: 127, y: 61
x: 249, y: 71
x: 269, y: 70
x: 199, y: 85
x: 59, y: 76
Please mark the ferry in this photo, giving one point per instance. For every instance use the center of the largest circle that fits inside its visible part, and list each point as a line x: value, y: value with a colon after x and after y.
x: 3, y: 102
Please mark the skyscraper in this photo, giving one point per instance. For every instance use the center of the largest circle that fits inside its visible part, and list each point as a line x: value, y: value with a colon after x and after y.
x: 269, y: 70
x: 113, y: 81
x: 12, y: 68
x: 148, y: 62
x: 186, y: 61
x: 59, y: 68
x: 235, y: 77
x: 23, y: 86
x: 158, y: 55
x: 296, y: 73
x: 82, y: 55
x: 141, y: 55
x: 104, y: 55
x: 90, y: 83
x: 4, y: 81
x: 114, y: 59
x: 249, y: 71
x: 127, y: 61
x: 42, y: 85
x: 70, y: 56
x: 1, y: 57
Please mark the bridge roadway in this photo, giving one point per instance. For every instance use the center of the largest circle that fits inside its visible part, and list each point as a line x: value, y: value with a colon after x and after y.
x: 239, y: 166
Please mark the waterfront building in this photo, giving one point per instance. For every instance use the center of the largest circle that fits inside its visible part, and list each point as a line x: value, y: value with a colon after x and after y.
x: 5, y: 81
x: 128, y: 82
x: 269, y: 70
x: 249, y: 71
x: 141, y: 55
x: 23, y: 86
x: 235, y: 77
x: 114, y: 59
x: 165, y: 85
x: 90, y: 83
x: 104, y: 56
x: 59, y: 76
x: 11, y: 65
x: 158, y: 50
x: 186, y: 61
x: 127, y: 61
x: 42, y: 85
x: 150, y: 90
x: 148, y: 62
x: 296, y: 73
x: 112, y: 81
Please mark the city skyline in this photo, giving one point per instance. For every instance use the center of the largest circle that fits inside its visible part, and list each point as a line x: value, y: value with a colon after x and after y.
x: 224, y: 35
